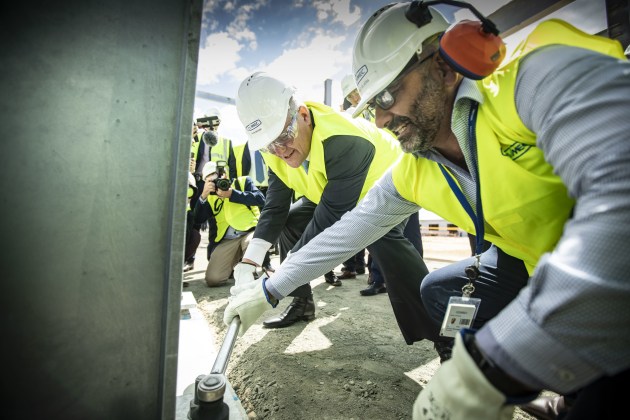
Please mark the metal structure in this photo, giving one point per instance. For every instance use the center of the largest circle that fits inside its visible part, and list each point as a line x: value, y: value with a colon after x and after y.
x: 208, y: 401
x: 517, y: 14
x: 217, y: 98
x: 97, y: 99
x: 618, y: 16
x: 328, y: 92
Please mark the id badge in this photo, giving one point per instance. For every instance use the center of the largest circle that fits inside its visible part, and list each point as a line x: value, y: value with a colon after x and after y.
x: 460, y: 313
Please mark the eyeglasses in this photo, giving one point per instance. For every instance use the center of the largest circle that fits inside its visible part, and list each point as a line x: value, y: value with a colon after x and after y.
x: 287, y: 136
x: 386, y: 98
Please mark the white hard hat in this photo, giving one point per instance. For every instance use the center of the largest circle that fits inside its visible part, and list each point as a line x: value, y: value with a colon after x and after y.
x: 209, y: 168
x: 212, y: 118
x: 348, y: 85
x: 214, y: 112
x: 262, y: 104
x: 385, y: 44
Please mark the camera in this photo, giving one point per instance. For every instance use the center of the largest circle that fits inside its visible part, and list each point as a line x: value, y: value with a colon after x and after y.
x: 221, y: 183
x: 208, y: 122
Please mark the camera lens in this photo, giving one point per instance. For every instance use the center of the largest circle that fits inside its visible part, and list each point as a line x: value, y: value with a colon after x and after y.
x: 222, y: 184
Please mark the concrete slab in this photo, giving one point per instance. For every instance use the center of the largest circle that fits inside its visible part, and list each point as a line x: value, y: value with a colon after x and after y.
x: 188, y: 300
x: 198, y: 349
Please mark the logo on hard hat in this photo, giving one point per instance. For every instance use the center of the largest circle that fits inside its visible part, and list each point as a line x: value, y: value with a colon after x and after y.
x: 253, y: 125
x: 360, y: 74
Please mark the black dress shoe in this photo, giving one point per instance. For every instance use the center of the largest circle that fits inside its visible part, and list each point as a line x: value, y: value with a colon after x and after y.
x: 301, y: 309
x: 360, y: 270
x: 547, y: 407
x: 374, y: 289
x: 332, y: 279
x: 347, y: 274
x: 444, y: 349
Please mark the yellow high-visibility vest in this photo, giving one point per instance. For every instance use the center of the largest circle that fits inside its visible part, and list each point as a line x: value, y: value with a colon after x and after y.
x: 526, y: 216
x: 330, y: 123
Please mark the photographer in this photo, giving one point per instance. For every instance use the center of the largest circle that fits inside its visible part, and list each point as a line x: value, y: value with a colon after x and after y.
x: 207, y: 146
x: 231, y: 208
x: 210, y: 146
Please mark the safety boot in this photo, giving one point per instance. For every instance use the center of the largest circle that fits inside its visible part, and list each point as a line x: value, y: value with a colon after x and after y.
x: 301, y: 309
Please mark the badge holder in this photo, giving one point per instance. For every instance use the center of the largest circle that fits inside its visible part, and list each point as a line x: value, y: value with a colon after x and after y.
x: 461, y: 311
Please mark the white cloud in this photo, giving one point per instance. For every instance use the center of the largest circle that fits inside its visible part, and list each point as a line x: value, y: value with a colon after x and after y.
x: 337, y: 11
x: 308, y: 66
x: 219, y: 56
x: 238, y: 28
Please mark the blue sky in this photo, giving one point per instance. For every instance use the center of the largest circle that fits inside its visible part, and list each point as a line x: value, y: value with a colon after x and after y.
x: 305, y: 42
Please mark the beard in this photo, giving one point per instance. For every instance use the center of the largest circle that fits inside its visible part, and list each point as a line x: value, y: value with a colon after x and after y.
x: 419, y: 133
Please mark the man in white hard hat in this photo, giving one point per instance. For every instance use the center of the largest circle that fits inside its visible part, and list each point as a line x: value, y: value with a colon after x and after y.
x: 352, y: 97
x: 210, y: 146
x: 534, y: 157
x: 355, y: 264
x: 331, y: 160
x: 231, y: 208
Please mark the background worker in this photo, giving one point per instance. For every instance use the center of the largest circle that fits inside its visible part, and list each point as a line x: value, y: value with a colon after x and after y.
x: 211, y: 146
x: 540, y: 154
x: 376, y: 280
x: 329, y: 158
x: 193, y: 236
x: 207, y: 146
x: 356, y: 263
x: 231, y: 208
x: 251, y: 163
x: 191, y: 242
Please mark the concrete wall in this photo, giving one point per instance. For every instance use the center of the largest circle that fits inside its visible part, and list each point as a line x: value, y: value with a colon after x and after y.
x: 95, y: 110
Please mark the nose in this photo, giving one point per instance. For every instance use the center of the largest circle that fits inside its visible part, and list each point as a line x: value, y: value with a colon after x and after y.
x: 382, y: 117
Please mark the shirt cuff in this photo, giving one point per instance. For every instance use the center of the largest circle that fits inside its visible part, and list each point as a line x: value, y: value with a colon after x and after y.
x: 256, y: 250
x: 271, y: 289
x: 507, y: 340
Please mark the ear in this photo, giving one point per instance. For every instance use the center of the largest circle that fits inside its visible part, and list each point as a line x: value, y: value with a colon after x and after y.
x: 450, y: 76
x: 304, y: 114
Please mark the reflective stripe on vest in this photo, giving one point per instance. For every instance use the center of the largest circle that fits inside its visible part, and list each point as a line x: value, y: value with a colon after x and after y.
x: 238, y: 156
x: 239, y: 216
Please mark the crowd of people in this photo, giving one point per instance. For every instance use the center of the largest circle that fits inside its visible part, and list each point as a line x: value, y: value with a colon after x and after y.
x: 528, y: 154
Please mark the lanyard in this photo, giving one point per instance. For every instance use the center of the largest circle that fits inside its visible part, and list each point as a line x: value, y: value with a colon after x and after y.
x: 476, y: 218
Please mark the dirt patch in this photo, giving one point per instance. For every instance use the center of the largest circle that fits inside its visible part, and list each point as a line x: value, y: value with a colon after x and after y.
x: 351, y: 362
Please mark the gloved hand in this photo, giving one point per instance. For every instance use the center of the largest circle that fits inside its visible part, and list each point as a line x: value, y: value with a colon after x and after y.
x: 248, y: 304
x: 243, y: 275
x: 459, y: 390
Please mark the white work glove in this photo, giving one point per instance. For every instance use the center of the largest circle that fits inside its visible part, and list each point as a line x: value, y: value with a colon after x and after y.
x: 243, y: 275
x: 248, y: 304
x: 459, y: 390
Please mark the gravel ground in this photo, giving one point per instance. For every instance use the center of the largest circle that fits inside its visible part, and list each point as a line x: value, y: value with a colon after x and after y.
x: 351, y: 362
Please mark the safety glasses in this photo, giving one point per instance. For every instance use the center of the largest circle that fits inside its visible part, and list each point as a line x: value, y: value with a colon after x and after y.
x: 285, y: 138
x: 386, y: 98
